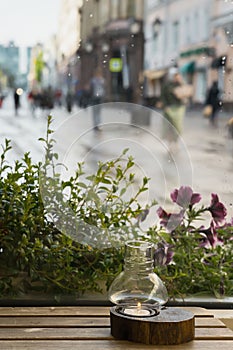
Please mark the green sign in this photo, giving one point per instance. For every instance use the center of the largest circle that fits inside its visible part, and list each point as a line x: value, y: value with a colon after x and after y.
x: 115, y: 65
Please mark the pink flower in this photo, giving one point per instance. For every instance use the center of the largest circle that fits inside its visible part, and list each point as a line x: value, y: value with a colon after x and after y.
x: 210, y: 237
x: 163, y: 255
x: 185, y: 196
x: 217, y: 209
x: 143, y: 215
x: 168, y: 220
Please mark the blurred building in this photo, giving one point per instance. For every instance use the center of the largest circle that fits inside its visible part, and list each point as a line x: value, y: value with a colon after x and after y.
x: 192, y: 35
x: 222, y: 40
x: 14, y: 66
x: 35, y: 74
x: 112, y: 38
x: 50, y: 69
x: 68, y: 40
x: 136, y: 41
x: 10, y: 62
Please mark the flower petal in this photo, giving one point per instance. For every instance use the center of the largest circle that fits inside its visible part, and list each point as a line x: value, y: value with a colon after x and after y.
x: 183, y: 196
x: 217, y: 209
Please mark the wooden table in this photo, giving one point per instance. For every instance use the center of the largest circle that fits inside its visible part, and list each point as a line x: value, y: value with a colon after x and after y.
x: 88, y: 328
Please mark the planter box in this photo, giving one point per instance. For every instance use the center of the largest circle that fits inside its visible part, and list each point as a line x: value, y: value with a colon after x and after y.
x: 34, y: 299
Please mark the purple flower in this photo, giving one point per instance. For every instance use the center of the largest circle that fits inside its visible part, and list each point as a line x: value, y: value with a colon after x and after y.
x: 210, y: 237
x: 143, y: 215
x: 168, y: 220
x: 185, y: 196
x: 164, y: 216
x: 217, y: 209
x: 163, y: 255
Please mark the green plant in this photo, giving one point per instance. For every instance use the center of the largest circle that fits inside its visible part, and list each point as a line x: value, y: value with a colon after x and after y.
x: 34, y: 254
x: 65, y: 237
x: 190, y: 258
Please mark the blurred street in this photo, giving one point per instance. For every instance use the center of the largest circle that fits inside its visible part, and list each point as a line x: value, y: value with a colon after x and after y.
x: 204, y: 160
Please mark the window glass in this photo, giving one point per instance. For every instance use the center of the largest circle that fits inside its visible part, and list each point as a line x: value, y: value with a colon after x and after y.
x: 121, y: 79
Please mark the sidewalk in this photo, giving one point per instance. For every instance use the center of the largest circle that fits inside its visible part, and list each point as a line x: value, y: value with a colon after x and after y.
x: 204, y: 160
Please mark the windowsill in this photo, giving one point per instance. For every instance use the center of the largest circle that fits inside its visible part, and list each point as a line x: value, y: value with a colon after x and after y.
x: 97, y: 299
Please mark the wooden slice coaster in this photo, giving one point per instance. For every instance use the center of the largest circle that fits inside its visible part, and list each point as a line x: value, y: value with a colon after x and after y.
x: 171, y: 326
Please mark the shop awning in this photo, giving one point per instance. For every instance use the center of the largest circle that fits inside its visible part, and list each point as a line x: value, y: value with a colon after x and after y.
x: 188, y: 68
x: 154, y: 74
x: 219, y: 62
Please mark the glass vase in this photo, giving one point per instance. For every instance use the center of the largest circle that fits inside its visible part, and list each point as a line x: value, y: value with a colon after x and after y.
x: 138, y: 284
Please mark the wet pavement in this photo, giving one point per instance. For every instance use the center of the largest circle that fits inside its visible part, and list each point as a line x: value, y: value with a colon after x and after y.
x: 204, y: 159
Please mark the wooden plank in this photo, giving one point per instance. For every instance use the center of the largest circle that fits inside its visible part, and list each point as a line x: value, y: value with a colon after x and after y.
x: 207, y: 322
x: 222, y: 313
x: 55, y: 333
x: 110, y: 345
x: 45, y: 333
x: 226, y: 316
x: 92, y: 311
x: 198, y: 311
x: 228, y: 322
x: 213, y: 333
x: 44, y: 321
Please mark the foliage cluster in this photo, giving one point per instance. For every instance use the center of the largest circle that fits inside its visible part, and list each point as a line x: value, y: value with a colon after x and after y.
x: 193, y: 259
x: 35, y: 255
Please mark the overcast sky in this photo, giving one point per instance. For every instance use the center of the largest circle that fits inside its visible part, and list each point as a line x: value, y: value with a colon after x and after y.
x: 28, y: 21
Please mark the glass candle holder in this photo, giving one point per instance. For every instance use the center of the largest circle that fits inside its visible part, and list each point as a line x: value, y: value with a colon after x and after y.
x: 138, y: 288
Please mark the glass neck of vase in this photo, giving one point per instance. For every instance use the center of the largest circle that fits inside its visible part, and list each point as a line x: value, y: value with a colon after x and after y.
x: 139, y: 257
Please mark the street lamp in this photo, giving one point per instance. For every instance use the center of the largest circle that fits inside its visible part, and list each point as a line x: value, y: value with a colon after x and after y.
x: 88, y: 47
x: 156, y: 26
x: 105, y: 47
x: 135, y: 28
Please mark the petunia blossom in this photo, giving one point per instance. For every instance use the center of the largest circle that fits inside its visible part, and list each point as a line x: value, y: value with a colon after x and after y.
x: 168, y: 220
x: 184, y: 196
x: 217, y: 209
x: 143, y: 215
x: 210, y: 237
x: 163, y: 254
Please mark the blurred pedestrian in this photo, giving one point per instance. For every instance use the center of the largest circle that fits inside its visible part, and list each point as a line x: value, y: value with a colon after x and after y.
x: 58, y: 97
x: 69, y: 101
x: 49, y: 98
x: 17, y: 94
x: 85, y: 98
x: 31, y: 101
x: 213, y: 100
x: 173, y: 97
x: 1, y: 100
x: 97, y: 92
